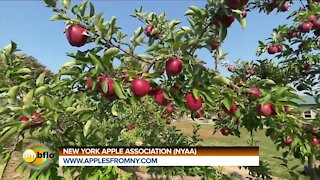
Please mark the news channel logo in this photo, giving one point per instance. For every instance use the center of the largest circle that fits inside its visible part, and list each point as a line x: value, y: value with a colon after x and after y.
x: 37, y: 156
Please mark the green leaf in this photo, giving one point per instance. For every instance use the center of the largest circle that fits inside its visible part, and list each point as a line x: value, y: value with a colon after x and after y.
x: 227, y: 102
x: 71, y: 109
x: 24, y: 71
x: 71, y: 63
x: 269, y: 82
x: 223, y: 31
x: 8, y: 134
x: 136, y: 34
x: 239, y: 17
x: 279, y: 91
x: 111, y: 52
x: 114, y: 110
x: 96, y: 61
x: 81, y: 110
x: 83, y: 7
x: 40, y: 79
x: 286, y: 103
x: 195, y: 10
x: 269, y: 131
x: 48, y: 102
x: 51, y: 3
x: 86, y: 128
x: 86, y: 116
x: 104, y: 86
x: 118, y: 90
x: 265, y: 99
x: 40, y: 90
x: 196, y: 93
x: 59, y: 17
x: 189, y: 12
x: 75, y: 9
x: 186, y: 28
x: 92, y: 11
x: 166, y: 96
x: 173, y: 23
x: 12, y: 94
x: 27, y: 100
x: 11, y: 48
x: 66, y: 4
x: 221, y: 80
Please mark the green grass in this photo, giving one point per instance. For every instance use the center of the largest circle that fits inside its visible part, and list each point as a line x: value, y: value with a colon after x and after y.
x: 267, y: 148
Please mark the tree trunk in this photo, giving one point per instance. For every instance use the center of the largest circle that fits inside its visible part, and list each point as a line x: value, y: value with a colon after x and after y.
x: 312, y: 168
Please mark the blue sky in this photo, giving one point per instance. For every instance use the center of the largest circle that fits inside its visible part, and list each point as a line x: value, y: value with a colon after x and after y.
x: 27, y: 23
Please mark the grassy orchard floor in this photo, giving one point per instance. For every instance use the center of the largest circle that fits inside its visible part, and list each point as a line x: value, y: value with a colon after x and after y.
x: 266, y: 146
x: 267, y: 150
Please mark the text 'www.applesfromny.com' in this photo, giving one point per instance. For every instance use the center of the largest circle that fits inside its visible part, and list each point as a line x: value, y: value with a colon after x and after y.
x: 77, y: 160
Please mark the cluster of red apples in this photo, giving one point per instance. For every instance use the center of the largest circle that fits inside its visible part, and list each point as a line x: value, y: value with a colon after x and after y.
x: 227, y: 20
x: 288, y: 141
x: 37, y: 120
x: 265, y: 110
x: 274, y: 4
x: 312, y: 23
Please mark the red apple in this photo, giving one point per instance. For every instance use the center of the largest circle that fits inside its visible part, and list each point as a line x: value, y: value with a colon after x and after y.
x: 244, y: 13
x: 192, y: 103
x: 24, y: 118
x: 266, y: 110
x: 110, y: 90
x: 101, y: 79
x: 77, y: 35
x: 35, y: 115
x: 200, y: 113
x: 160, y: 99
x: 230, y: 68
x: 38, y: 118
x: 272, y: 49
x: 306, y: 66
x: 170, y: 109
x: 215, y: 44
x: 255, y: 92
x: 148, y: 30
x: 130, y: 127
x: 305, y: 27
x: 312, y: 18
x: 315, y: 141
x: 285, y: 7
x: 280, y: 47
x: 234, y: 4
x: 153, y: 91
x: 249, y: 71
x: 37, y: 123
x: 286, y: 108
x: 273, y: 5
x: 228, y: 20
x: 288, y: 141
x: 224, y: 131
x: 140, y: 87
x: 291, y: 35
x: 89, y: 82
x: 173, y: 66
x: 232, y: 110
x: 316, y: 24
